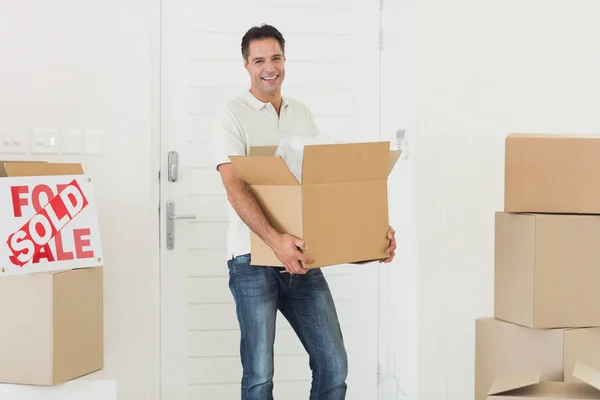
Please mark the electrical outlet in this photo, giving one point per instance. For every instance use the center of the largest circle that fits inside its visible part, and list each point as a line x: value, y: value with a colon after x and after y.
x: 14, y: 141
x: 44, y: 141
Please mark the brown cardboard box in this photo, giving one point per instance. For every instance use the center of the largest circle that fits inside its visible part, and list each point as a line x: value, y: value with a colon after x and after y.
x: 52, y: 321
x: 503, y: 348
x: 52, y: 326
x: 340, y: 208
x: 528, y: 386
x: 546, y: 270
x: 552, y: 173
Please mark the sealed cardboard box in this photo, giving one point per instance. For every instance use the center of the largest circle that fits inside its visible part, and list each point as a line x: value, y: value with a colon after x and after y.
x: 546, y: 271
x: 51, y: 289
x: 551, y: 173
x: 340, y: 207
x: 52, y: 326
x: 503, y: 348
x: 527, y: 385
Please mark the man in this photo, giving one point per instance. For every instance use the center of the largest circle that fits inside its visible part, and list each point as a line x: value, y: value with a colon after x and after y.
x: 262, y: 117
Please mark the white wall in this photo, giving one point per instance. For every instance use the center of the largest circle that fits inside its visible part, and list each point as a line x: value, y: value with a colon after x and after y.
x: 399, y: 341
x: 458, y: 75
x: 91, y: 65
x: 483, y: 70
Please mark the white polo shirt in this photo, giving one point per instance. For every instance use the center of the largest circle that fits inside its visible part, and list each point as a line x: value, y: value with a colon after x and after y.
x: 245, y: 122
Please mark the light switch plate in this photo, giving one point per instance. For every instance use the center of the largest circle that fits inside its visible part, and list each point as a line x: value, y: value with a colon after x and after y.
x: 14, y: 141
x: 71, y: 141
x: 94, y: 141
x: 44, y: 141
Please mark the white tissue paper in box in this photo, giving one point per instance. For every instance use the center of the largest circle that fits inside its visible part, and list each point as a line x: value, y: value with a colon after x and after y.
x: 291, y: 149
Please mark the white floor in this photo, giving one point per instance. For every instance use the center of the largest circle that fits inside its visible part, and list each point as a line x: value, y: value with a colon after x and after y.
x: 74, y: 390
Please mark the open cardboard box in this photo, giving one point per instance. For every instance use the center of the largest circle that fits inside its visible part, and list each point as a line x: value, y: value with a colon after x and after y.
x: 51, y: 310
x: 340, y: 209
x: 528, y: 385
x: 503, y: 348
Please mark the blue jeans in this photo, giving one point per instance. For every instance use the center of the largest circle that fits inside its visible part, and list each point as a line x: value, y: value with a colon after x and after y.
x: 306, y: 302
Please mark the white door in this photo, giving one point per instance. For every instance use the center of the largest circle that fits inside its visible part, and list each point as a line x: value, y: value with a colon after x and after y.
x: 332, y: 65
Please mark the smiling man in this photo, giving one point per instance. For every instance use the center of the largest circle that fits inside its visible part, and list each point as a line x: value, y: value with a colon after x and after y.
x: 261, y: 117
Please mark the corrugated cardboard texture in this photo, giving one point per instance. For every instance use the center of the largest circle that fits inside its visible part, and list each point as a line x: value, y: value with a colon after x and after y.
x: 343, y: 206
x: 26, y: 333
x: 565, y: 269
x: 41, y: 169
x: 581, y: 345
x: 282, y: 206
x: 551, y: 391
x: 567, y: 273
x: 262, y: 150
x: 263, y: 170
x: 587, y: 374
x: 51, y: 326
x: 345, y: 221
x: 3, y: 173
x: 340, y: 221
x: 394, y: 155
x: 515, y: 381
x: 552, y: 173
x: 353, y: 162
x: 514, y: 272
x: 503, y: 349
x: 78, y: 323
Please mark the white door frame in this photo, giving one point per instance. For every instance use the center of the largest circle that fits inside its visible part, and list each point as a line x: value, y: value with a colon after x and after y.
x: 173, y: 349
x: 173, y: 343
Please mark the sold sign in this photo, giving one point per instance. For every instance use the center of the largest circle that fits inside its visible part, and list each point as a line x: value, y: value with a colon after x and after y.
x: 44, y: 225
x: 48, y: 223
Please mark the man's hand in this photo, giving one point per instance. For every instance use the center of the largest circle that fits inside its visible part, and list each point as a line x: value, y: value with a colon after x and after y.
x: 391, y: 251
x: 285, y: 246
x: 289, y: 249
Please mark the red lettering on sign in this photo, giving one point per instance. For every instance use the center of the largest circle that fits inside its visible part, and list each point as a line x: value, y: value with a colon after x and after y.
x: 80, y: 243
x: 61, y: 254
x: 43, y: 226
x: 36, y: 201
x: 45, y: 252
x: 35, y: 196
x: 17, y: 200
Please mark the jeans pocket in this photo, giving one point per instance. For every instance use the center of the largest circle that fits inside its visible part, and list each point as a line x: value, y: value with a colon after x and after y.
x: 239, y: 265
x: 241, y: 259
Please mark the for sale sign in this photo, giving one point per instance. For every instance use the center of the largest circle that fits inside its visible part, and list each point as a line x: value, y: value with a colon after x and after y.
x: 48, y: 223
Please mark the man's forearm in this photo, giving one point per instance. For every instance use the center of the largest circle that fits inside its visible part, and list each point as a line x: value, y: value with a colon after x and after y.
x: 246, y: 206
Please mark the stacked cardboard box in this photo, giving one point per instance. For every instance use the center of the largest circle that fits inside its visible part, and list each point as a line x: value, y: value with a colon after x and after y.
x: 547, y: 264
x: 51, y: 289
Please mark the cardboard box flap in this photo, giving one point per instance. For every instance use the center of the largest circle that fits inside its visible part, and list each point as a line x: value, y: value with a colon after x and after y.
x: 511, y: 382
x: 14, y: 169
x: 345, y: 162
x: 252, y: 170
x: 262, y: 150
x: 3, y: 173
x: 552, y: 136
x: 394, y: 156
x: 587, y: 374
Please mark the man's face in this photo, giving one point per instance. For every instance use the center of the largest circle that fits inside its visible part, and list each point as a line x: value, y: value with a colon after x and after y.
x: 266, y: 65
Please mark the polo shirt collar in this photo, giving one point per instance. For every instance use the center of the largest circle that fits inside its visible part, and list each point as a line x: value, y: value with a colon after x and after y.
x: 256, y: 104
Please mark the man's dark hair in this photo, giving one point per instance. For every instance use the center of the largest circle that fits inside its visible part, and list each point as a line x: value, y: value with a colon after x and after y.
x: 261, y: 32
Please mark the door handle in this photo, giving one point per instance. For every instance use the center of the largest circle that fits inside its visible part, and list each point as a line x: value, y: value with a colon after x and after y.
x: 171, y: 217
x: 173, y: 162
